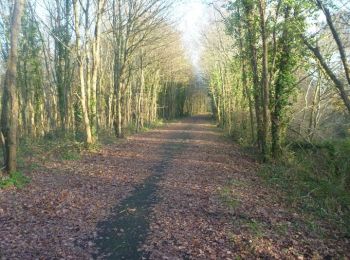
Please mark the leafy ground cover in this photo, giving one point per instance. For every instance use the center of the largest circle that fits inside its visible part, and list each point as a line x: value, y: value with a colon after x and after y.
x: 178, y: 192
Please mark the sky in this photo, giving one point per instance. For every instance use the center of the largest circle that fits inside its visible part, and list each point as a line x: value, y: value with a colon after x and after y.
x: 192, y: 17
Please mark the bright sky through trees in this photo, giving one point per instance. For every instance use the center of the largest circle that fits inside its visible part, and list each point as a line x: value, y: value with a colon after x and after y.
x: 193, y: 16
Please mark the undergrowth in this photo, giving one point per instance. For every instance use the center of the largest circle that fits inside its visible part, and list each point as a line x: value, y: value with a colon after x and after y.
x: 316, y: 179
x: 16, y: 179
x: 33, y: 152
x: 45, y: 149
x: 65, y: 146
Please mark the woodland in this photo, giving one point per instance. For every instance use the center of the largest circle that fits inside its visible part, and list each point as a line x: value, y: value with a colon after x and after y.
x: 102, y: 107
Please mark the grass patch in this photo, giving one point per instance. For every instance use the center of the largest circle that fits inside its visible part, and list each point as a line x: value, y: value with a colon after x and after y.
x: 16, y: 179
x: 256, y: 228
x: 227, y: 198
x: 315, y: 179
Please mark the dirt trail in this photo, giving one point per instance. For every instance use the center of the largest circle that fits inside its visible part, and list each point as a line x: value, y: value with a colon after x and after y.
x: 120, y: 236
x: 182, y: 191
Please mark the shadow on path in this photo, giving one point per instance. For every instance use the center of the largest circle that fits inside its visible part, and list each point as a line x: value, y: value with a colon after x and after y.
x: 120, y: 236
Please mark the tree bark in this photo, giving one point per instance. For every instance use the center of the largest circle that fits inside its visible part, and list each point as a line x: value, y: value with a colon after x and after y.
x: 9, y: 114
x: 83, y: 100
x: 264, y: 78
x: 96, y: 63
x: 253, y: 57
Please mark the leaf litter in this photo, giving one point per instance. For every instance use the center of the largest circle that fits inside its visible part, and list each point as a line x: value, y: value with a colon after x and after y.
x: 210, y: 203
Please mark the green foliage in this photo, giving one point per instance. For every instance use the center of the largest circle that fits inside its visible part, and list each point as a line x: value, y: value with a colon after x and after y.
x: 16, y: 179
x: 236, y: 84
x: 315, y: 178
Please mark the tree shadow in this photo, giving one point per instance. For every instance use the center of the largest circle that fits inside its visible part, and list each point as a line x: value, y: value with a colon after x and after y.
x: 122, y: 233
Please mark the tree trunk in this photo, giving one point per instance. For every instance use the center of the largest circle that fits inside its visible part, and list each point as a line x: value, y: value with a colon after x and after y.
x: 118, y: 115
x: 244, y: 79
x: 253, y: 57
x: 83, y: 100
x: 9, y: 115
x: 264, y: 77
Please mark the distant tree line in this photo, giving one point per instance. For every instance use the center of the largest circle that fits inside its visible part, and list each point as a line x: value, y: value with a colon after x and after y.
x: 82, y: 67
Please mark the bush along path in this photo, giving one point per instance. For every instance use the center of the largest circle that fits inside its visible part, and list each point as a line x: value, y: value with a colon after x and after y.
x: 182, y: 191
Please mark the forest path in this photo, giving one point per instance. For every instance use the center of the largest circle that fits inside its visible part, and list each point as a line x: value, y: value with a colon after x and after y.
x: 184, y: 177
x: 182, y: 191
x: 120, y: 236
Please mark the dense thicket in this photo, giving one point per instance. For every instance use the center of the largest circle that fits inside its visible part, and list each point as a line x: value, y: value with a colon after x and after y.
x: 88, y: 66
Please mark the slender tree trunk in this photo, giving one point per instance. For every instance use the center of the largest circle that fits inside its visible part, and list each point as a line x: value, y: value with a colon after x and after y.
x: 313, y: 113
x: 9, y: 114
x: 118, y: 115
x: 264, y: 78
x: 141, y: 96
x: 83, y: 100
x: 96, y: 63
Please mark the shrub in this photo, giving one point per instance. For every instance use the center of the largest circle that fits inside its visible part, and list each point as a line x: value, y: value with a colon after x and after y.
x: 315, y: 178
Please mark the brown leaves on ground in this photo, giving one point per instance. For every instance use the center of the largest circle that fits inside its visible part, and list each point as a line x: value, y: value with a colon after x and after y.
x: 56, y: 215
x: 211, y: 204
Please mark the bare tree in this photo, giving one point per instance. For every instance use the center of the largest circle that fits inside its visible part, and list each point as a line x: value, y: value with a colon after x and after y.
x: 342, y: 85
